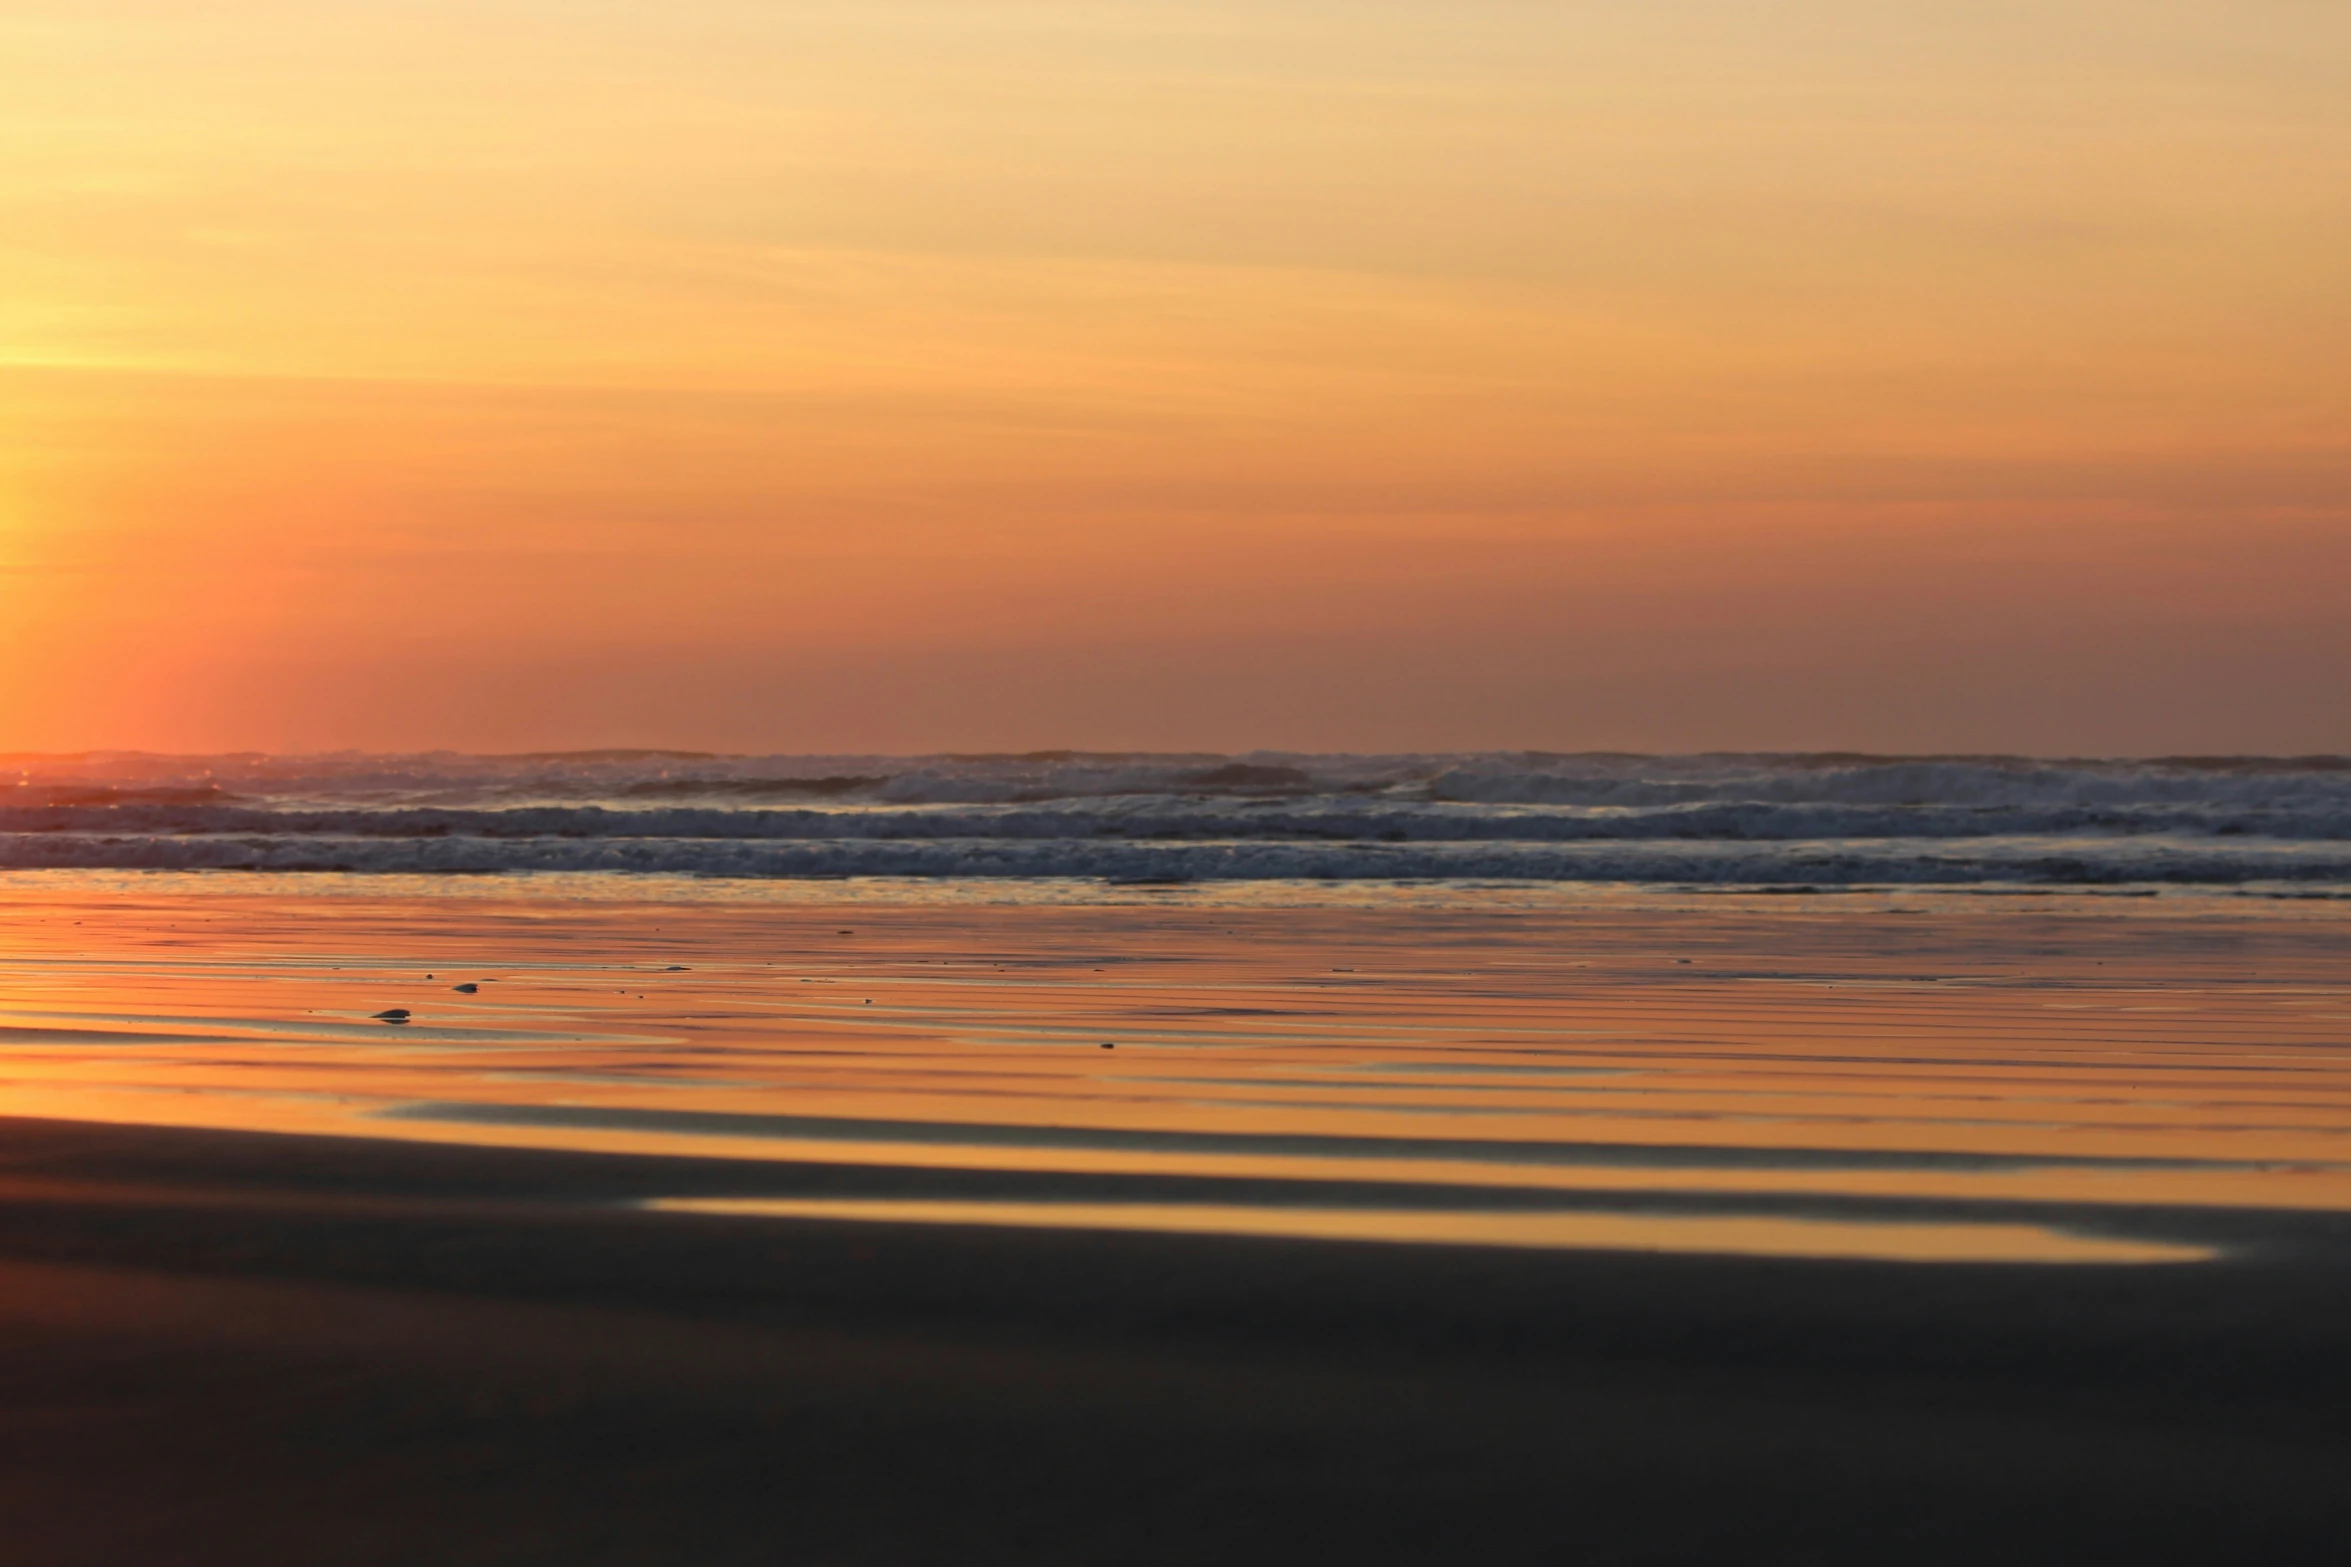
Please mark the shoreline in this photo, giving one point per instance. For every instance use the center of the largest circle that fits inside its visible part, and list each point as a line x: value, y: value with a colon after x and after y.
x: 298, y: 1326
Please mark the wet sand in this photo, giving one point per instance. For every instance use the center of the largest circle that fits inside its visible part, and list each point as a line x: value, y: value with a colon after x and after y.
x: 256, y: 1335
x: 237, y: 1347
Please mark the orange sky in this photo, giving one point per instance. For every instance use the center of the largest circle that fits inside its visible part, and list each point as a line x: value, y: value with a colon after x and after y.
x: 769, y: 374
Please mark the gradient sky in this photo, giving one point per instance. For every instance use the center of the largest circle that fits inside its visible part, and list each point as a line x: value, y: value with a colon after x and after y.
x: 1387, y: 374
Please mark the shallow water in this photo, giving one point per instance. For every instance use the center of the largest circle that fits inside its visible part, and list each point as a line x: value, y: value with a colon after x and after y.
x: 2057, y: 1080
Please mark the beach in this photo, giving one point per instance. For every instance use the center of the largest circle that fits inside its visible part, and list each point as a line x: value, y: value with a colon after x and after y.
x: 723, y: 1222
x: 1125, y: 784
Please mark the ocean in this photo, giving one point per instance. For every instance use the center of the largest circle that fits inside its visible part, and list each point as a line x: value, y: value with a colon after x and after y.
x: 2261, y: 826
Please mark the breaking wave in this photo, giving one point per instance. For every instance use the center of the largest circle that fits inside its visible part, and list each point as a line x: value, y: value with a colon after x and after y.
x: 1830, y: 819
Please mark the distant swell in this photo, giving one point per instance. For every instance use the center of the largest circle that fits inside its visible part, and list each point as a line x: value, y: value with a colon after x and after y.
x: 1157, y: 817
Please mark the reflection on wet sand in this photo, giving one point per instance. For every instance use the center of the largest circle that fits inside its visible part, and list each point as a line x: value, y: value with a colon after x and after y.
x: 1718, y: 1235
x: 1889, y: 1078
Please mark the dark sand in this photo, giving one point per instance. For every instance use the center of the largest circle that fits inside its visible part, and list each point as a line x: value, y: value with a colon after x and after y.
x: 223, y: 1347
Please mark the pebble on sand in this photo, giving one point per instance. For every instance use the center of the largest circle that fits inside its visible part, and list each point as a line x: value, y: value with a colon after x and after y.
x: 469, y: 988
x: 393, y: 1015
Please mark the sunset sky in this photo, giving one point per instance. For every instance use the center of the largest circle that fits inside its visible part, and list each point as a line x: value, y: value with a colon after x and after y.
x: 1366, y: 374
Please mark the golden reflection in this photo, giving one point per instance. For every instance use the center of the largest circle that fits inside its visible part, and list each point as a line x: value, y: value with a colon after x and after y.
x: 1748, y: 1237
x: 2188, y: 1060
